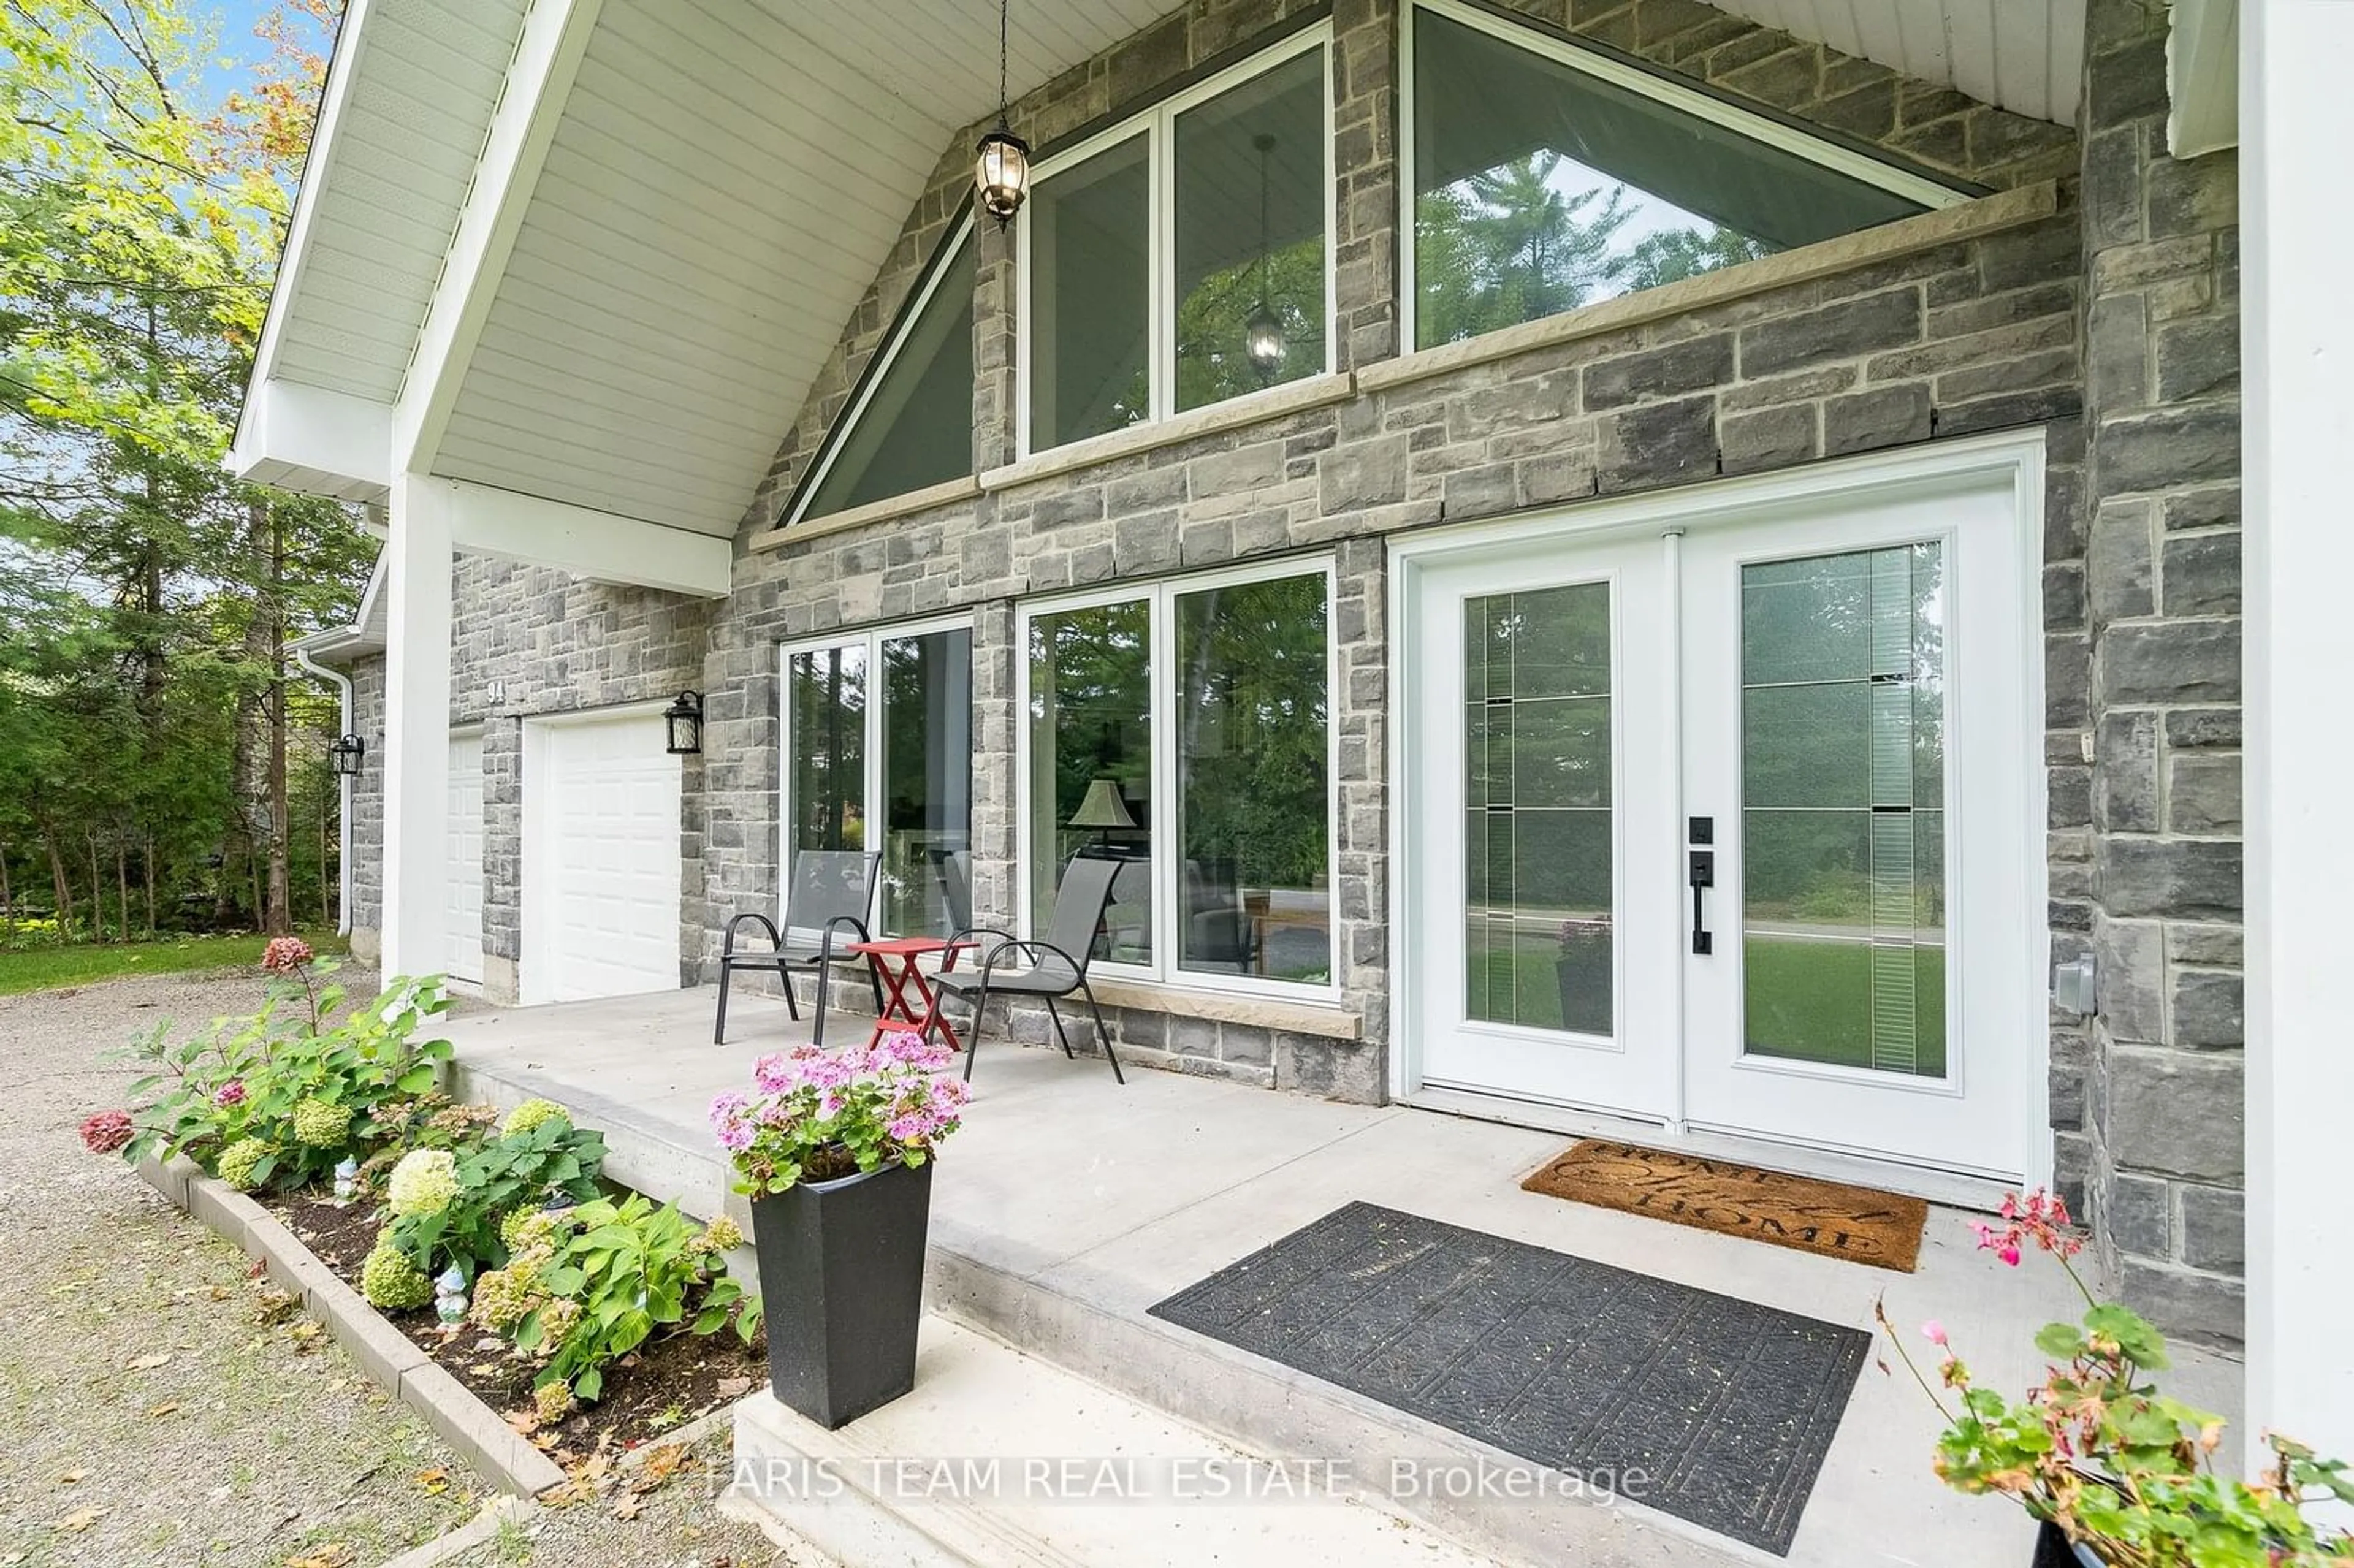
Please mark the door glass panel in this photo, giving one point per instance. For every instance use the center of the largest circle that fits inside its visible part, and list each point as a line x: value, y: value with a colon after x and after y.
x: 926, y: 784
x: 825, y: 787
x: 1843, y: 765
x: 1091, y: 763
x: 1537, y: 825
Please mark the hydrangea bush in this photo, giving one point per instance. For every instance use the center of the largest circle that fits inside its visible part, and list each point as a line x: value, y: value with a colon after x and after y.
x: 817, y: 1116
x: 293, y: 1088
x: 2099, y: 1453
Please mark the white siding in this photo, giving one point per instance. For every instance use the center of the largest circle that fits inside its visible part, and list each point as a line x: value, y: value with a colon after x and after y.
x: 2025, y: 55
x: 390, y: 186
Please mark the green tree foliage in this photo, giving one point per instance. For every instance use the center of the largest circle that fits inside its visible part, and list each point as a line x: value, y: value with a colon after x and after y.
x: 146, y: 712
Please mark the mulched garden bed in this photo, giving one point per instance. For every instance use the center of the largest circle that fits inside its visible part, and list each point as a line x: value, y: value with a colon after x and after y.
x: 669, y: 1381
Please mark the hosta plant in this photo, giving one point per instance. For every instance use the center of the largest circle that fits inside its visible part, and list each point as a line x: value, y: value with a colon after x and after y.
x: 2097, y: 1452
x: 818, y: 1115
x: 615, y: 1275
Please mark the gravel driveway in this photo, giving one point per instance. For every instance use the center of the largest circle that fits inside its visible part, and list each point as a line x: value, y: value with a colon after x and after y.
x: 152, y: 1417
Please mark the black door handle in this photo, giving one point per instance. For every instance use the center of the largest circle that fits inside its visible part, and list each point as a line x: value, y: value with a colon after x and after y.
x: 1703, y: 878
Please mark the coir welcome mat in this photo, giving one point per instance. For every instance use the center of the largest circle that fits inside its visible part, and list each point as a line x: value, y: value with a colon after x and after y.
x: 1714, y: 1410
x: 1853, y: 1222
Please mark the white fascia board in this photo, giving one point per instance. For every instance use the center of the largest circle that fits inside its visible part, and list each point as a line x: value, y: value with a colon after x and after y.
x: 539, y: 82
x: 343, y: 71
x: 311, y: 439
x: 2203, y: 77
x: 601, y: 545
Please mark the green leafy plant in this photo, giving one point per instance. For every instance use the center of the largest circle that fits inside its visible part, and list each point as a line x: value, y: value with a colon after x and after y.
x: 622, y: 1273
x: 2096, y: 1451
x: 311, y: 1088
x: 550, y: 1159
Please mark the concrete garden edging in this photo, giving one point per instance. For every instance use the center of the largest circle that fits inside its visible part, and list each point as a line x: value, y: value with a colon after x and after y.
x: 482, y: 1436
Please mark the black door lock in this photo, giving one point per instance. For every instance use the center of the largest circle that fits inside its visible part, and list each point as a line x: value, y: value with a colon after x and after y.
x: 1702, y: 877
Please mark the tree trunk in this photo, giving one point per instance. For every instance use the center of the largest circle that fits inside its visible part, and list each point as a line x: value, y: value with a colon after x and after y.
x: 249, y: 830
x: 97, y: 889
x: 59, y: 884
x: 122, y: 890
x: 7, y: 902
x: 147, y: 868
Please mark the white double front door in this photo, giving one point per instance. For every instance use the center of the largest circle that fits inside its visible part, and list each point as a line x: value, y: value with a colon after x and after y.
x: 1721, y: 813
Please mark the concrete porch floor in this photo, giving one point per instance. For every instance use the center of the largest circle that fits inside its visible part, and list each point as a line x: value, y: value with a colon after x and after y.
x: 1069, y: 1203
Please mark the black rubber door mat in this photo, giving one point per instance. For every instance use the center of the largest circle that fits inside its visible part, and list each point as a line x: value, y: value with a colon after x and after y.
x: 1725, y: 1406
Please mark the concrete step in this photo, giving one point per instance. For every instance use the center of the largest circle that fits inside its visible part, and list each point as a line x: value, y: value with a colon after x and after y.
x: 998, y: 1459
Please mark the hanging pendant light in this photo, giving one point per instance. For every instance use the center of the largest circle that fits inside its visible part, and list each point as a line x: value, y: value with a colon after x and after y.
x: 1001, y: 174
x: 1263, y: 331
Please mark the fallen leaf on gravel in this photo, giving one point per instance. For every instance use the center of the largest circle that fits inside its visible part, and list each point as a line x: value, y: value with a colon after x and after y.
x: 435, y: 1482
x: 275, y: 1306
x: 524, y: 1422
x: 306, y: 1335
x: 74, y: 1523
x: 149, y: 1363
x: 71, y: 1477
x: 335, y: 1556
x: 627, y: 1506
x: 165, y: 1408
x: 661, y: 1464
x: 734, y: 1387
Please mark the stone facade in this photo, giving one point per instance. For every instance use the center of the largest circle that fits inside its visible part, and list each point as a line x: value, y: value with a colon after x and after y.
x: 2155, y: 839
x: 368, y: 809
x: 1986, y: 332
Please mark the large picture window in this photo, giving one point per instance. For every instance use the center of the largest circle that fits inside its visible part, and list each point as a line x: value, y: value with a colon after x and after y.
x: 1543, y: 176
x: 1183, y: 257
x: 909, y: 423
x: 878, y: 756
x: 1186, y: 731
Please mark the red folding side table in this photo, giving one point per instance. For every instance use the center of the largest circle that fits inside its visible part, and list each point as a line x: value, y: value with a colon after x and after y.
x: 896, y: 968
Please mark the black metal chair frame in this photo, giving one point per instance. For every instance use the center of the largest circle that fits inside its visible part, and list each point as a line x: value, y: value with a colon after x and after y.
x: 784, y: 961
x: 1035, y: 950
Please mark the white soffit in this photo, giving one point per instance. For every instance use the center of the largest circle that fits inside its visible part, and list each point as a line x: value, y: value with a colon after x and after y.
x: 387, y: 187
x: 2026, y: 56
x: 724, y: 183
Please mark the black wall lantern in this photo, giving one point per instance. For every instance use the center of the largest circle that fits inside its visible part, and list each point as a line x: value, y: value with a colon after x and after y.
x: 344, y: 753
x: 1000, y: 173
x: 685, y: 721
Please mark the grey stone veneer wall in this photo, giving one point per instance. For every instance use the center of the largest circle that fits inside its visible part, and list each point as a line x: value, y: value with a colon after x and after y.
x: 2157, y: 846
x: 367, y: 808
x: 1957, y: 339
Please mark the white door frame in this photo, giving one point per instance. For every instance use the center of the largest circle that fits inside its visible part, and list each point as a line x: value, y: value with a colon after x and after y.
x: 2014, y: 458
x: 533, y: 969
x: 471, y: 983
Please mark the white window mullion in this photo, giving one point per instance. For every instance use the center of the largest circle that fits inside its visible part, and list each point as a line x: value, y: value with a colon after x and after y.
x: 1407, y: 286
x: 870, y: 841
x: 1166, y: 851
x: 1161, y: 339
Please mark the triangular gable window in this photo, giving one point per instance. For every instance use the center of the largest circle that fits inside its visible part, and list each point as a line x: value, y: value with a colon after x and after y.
x: 1548, y: 176
x: 909, y: 424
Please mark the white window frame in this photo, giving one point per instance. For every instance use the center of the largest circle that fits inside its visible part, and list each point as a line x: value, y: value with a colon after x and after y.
x: 1691, y: 101
x: 1160, y: 595
x: 838, y: 434
x: 870, y: 783
x: 1158, y: 125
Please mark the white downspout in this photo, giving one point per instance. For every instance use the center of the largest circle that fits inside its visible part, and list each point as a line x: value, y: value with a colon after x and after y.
x: 343, y: 684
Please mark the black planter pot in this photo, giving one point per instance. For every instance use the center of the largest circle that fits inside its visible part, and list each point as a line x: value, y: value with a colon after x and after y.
x: 2054, y: 1550
x: 841, y: 1290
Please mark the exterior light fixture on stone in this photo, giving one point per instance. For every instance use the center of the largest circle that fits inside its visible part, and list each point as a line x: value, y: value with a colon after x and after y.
x: 683, y: 719
x: 344, y: 754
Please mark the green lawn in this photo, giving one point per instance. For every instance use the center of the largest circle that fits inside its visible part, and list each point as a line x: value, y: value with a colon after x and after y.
x: 45, y: 969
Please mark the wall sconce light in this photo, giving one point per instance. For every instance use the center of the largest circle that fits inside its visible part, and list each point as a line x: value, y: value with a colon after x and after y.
x: 344, y: 754
x: 685, y: 721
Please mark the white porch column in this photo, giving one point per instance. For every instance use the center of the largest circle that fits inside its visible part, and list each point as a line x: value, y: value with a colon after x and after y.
x: 416, y: 725
x: 2297, y: 60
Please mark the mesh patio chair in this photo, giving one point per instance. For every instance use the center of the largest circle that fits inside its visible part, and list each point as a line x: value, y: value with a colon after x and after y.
x: 824, y: 913
x: 1057, y: 962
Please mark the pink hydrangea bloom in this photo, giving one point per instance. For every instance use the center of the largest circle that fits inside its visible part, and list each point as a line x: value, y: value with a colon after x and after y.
x: 285, y: 955
x: 107, y: 1131
x: 229, y: 1094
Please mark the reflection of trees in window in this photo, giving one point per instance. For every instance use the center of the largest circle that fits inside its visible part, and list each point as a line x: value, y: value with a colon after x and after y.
x: 1519, y: 241
x: 1210, y: 364
x: 1252, y: 712
x: 827, y: 701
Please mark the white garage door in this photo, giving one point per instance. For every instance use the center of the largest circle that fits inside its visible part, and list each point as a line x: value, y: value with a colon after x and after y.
x: 600, y: 859
x: 462, y: 904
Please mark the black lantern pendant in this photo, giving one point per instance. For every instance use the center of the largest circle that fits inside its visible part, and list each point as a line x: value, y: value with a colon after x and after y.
x: 684, y: 720
x: 1263, y: 331
x: 1001, y: 174
x: 344, y: 754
